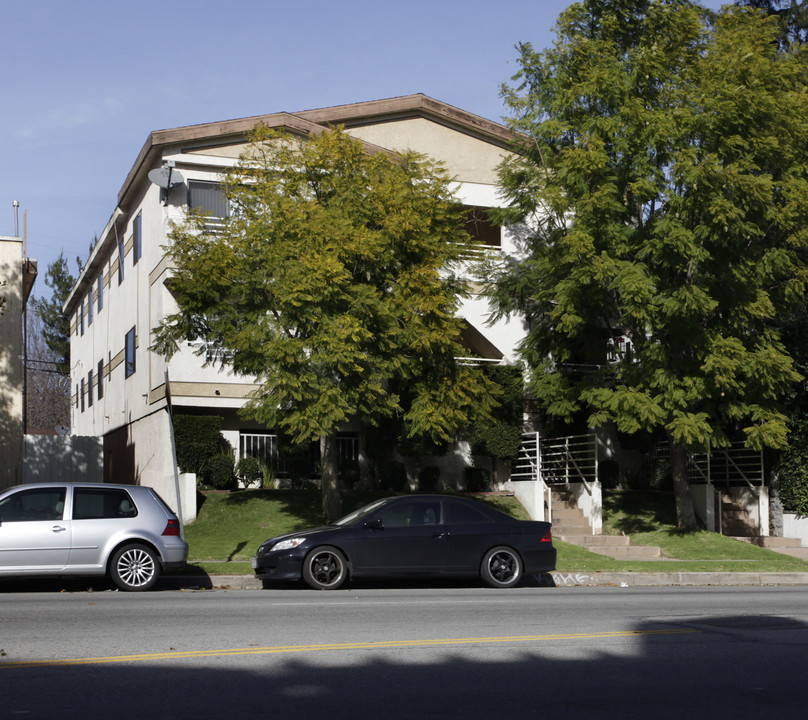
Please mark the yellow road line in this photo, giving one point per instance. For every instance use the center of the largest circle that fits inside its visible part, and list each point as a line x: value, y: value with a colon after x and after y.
x: 384, y: 644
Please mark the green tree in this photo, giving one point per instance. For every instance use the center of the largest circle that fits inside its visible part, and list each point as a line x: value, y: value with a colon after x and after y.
x: 331, y: 284
x: 792, y: 17
x: 55, y: 324
x: 665, y: 188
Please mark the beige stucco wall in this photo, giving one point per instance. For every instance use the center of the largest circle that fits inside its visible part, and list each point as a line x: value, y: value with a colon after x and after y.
x: 11, y: 371
x: 466, y: 158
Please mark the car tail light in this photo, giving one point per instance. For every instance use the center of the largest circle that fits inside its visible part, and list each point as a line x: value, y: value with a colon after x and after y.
x: 548, y: 536
x: 172, y: 528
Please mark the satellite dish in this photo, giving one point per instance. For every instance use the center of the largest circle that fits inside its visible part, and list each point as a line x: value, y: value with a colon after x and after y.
x: 166, y: 177
x: 62, y: 430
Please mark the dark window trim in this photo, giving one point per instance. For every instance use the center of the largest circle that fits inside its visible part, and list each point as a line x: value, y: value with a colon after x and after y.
x: 130, y: 361
x: 100, y: 393
x: 137, y: 238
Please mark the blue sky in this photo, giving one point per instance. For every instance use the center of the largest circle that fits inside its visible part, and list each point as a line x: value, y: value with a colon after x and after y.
x: 86, y: 81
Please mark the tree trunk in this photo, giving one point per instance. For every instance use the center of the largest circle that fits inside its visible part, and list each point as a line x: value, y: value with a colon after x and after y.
x: 775, y: 504
x: 685, y: 513
x: 332, y: 505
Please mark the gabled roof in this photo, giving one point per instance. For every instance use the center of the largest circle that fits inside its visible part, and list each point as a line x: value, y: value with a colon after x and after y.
x: 315, y: 121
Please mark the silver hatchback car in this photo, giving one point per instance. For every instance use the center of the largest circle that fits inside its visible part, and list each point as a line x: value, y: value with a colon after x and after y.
x: 124, y: 531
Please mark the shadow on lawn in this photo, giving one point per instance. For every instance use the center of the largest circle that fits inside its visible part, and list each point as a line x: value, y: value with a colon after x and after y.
x: 639, y: 510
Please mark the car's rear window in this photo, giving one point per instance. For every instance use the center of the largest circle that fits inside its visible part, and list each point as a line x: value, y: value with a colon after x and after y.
x: 458, y: 513
x: 98, y: 503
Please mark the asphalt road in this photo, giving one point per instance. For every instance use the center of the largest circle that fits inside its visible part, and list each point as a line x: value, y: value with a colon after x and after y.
x: 406, y: 652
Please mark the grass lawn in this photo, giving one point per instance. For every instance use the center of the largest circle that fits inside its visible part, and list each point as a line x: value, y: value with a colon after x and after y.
x: 231, y: 526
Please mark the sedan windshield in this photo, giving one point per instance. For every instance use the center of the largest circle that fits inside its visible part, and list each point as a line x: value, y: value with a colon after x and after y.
x: 360, y: 514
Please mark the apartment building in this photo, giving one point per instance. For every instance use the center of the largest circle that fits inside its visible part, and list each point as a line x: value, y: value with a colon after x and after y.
x: 121, y: 390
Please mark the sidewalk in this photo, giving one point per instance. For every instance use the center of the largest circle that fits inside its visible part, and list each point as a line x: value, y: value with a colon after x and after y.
x: 558, y: 578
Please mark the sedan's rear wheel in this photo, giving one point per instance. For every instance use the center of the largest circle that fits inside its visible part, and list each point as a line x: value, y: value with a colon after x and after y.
x: 134, y: 568
x: 325, y: 568
x: 501, y: 567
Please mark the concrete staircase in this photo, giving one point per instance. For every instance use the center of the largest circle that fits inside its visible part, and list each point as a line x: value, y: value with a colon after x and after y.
x: 736, y: 523
x: 571, y: 526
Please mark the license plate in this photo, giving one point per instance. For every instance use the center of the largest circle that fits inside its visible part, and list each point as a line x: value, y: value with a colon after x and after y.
x: 253, y: 562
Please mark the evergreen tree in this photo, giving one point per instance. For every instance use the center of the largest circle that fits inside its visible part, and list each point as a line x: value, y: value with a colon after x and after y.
x: 55, y: 324
x: 665, y: 188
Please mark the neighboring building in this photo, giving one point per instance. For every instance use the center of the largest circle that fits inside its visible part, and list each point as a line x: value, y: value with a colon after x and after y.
x: 120, y: 390
x: 17, y: 275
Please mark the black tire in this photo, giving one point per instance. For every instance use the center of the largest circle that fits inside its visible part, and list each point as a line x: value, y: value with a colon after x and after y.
x: 325, y: 568
x: 134, y: 568
x: 502, y: 567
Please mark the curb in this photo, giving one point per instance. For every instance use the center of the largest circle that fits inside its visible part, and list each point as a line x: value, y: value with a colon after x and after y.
x: 675, y: 579
x: 554, y: 579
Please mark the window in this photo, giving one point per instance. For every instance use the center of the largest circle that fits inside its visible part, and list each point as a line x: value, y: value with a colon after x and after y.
x: 121, y: 256
x: 99, y: 503
x: 207, y: 198
x: 129, y: 354
x: 484, y: 234
x: 90, y: 308
x: 137, y: 226
x: 411, y: 514
x: 77, y: 396
x: 90, y: 389
x: 82, y: 395
x: 100, y: 291
x: 462, y: 514
x: 46, y: 504
x: 100, y: 379
x: 81, y: 316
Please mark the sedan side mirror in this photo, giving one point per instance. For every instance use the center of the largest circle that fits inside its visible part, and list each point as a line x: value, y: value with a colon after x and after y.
x: 375, y: 524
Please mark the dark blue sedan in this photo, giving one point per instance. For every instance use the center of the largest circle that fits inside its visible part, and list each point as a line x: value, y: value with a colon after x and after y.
x: 411, y: 536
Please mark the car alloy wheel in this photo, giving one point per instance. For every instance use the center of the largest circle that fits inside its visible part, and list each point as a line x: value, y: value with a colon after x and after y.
x: 501, y: 567
x: 134, y: 568
x: 325, y: 568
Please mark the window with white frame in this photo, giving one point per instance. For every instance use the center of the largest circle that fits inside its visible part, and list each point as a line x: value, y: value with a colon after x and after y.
x: 208, y: 198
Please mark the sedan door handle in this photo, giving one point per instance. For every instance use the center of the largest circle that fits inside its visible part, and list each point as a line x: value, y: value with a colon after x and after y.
x: 439, y: 535
x: 58, y: 528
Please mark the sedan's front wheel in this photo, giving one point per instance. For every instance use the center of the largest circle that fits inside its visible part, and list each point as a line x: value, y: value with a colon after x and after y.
x: 501, y: 567
x: 134, y: 568
x: 325, y: 568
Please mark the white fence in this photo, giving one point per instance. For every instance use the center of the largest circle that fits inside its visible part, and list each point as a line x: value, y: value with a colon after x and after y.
x: 69, y: 458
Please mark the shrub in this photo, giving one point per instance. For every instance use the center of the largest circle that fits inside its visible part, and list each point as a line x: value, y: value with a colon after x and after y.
x: 477, y: 479
x: 218, y: 472
x: 394, y: 477
x: 268, y: 478
x: 197, y: 438
x: 349, y: 475
x: 429, y: 478
x: 793, y: 466
x: 249, y: 472
x: 501, y: 436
